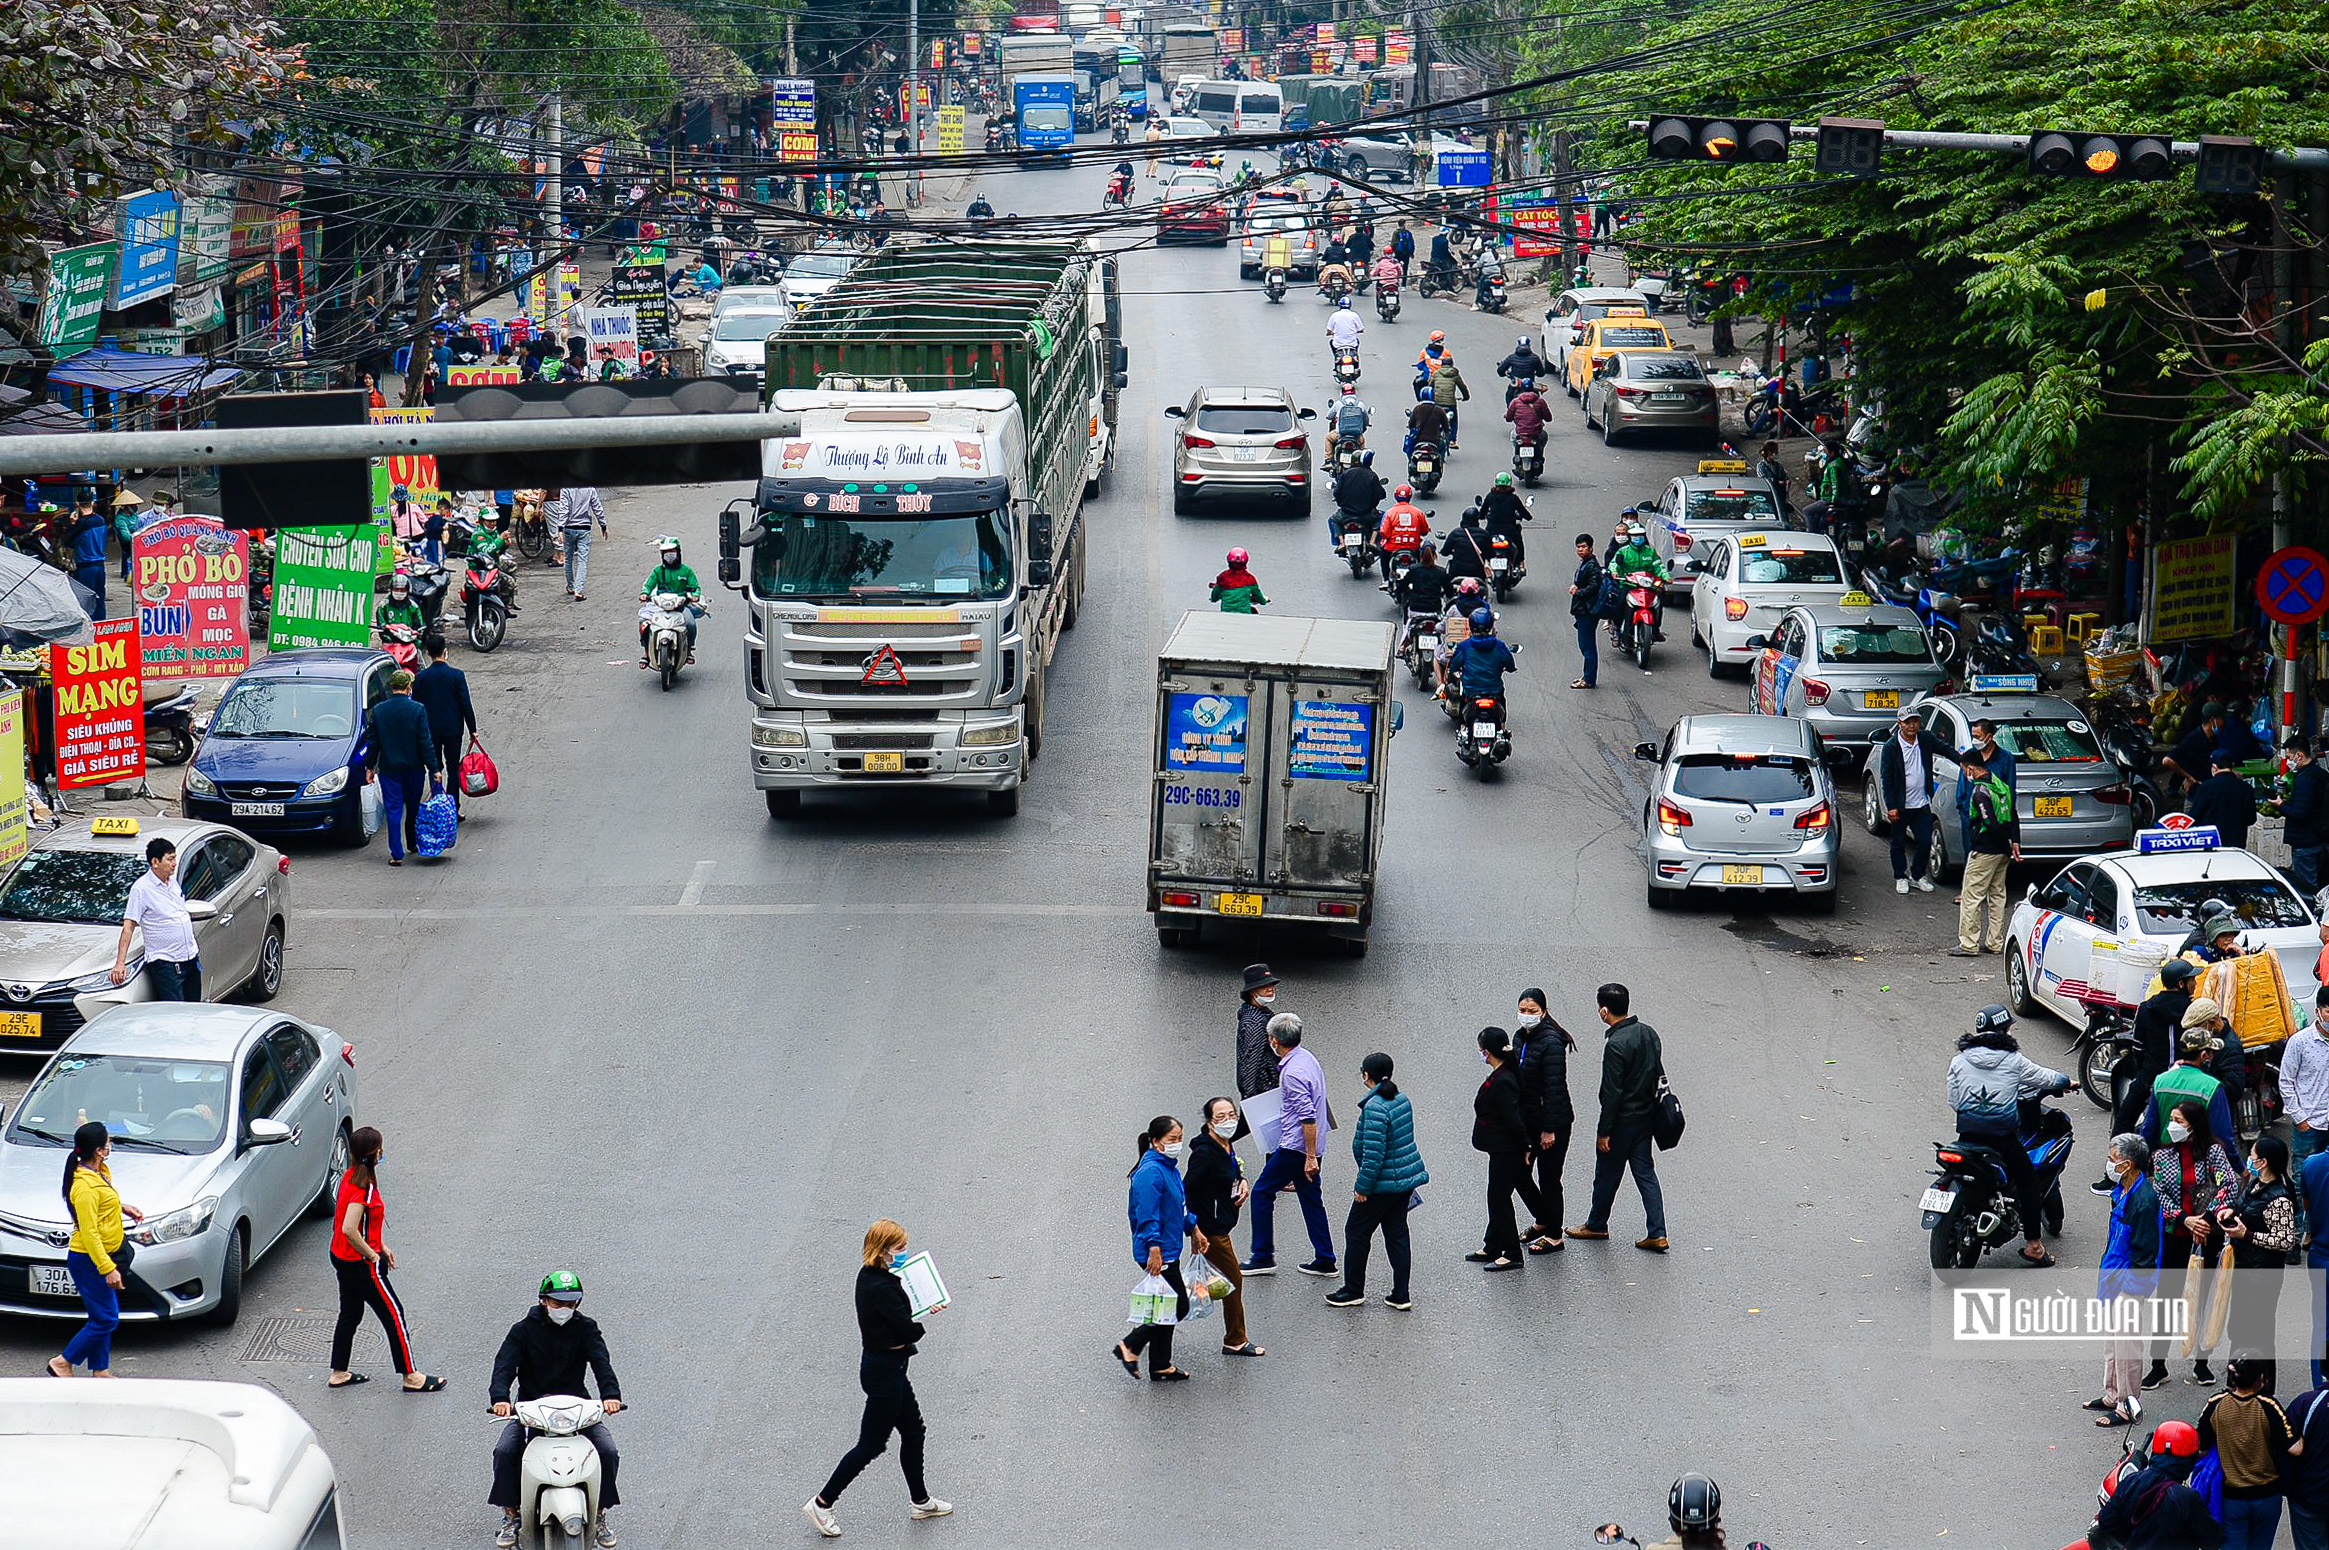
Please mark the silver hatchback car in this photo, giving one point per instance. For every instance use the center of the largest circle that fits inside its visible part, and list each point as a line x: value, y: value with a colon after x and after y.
x: 230, y: 1124
x: 1741, y: 804
x: 1238, y: 443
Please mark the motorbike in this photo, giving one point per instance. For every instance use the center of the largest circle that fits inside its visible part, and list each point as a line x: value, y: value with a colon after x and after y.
x: 259, y: 602
x: 1483, y: 741
x: 1504, y: 568
x: 1387, y: 303
x: 2127, y: 739
x: 485, y: 600
x: 1122, y: 132
x: 1334, y: 284
x: 1119, y: 192
x: 1612, y: 1534
x: 402, y: 643
x: 1528, y: 460
x: 1490, y: 291
x: 1970, y: 1210
x: 1347, y: 453
x: 1422, y: 652
x: 1395, y: 564
x: 2107, y: 1039
x: 665, y: 617
x: 429, y: 582
x: 1357, y: 544
x: 1346, y: 363
x: 170, y: 728
x: 1638, y: 631
x: 1274, y: 284
x: 1436, y: 280
x: 1425, y: 466
x: 558, y: 1474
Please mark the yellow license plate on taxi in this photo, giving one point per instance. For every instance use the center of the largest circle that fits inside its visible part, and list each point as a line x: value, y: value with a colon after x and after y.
x: 1880, y: 699
x: 19, y: 1025
x: 1742, y: 876
x: 2053, y: 807
x: 1238, y: 903
x: 885, y: 763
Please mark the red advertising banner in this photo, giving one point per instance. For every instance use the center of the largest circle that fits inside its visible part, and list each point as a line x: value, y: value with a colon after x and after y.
x: 1323, y: 36
x: 485, y: 373
x: 101, y: 713
x: 1363, y: 50
x: 1395, y: 47
x: 193, y: 610
x: 1233, y: 40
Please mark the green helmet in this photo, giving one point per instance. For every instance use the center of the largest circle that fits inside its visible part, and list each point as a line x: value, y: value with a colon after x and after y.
x: 1504, y: 481
x: 562, y: 1286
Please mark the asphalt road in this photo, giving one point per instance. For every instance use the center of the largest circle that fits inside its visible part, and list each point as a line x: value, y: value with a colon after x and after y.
x: 637, y: 1029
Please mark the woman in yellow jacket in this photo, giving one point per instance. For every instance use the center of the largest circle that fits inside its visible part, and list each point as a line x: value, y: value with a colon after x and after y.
x: 96, y: 1254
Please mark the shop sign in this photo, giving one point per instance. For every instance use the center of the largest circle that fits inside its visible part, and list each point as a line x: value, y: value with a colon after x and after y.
x: 148, y: 223
x: 79, y: 281
x: 2192, y: 590
x: 101, y: 716
x: 192, y: 583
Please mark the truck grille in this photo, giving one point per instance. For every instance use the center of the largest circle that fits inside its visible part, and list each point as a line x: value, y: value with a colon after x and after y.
x: 858, y: 740
x: 874, y: 634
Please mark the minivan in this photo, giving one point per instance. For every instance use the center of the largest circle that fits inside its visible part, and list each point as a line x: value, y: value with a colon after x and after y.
x: 1261, y: 110
x: 1216, y: 103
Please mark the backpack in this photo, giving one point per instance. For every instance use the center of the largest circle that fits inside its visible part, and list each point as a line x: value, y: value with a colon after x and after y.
x: 1350, y: 418
x: 1612, y: 604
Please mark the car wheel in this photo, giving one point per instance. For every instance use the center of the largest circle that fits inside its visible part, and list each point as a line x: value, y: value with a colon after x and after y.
x: 328, y: 1191
x: 267, y: 978
x: 1937, y: 864
x: 1356, y: 166
x: 230, y: 1278
x: 1608, y: 429
x: 1871, y: 813
x: 1714, y: 665
x: 1822, y: 903
x: 1180, y: 500
x: 2018, y: 998
x: 1658, y: 898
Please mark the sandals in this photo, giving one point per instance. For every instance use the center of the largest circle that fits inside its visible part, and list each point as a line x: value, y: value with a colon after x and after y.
x: 348, y: 1382
x: 427, y: 1385
x: 2114, y: 1418
x: 2100, y: 1403
x: 1124, y: 1358
x: 2044, y: 1261
x: 1247, y: 1349
x: 1579, y: 683
x: 1169, y: 1375
x: 1548, y: 1244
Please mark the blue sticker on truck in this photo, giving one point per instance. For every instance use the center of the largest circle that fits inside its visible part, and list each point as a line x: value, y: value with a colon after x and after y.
x: 1331, y: 741
x: 1205, y: 733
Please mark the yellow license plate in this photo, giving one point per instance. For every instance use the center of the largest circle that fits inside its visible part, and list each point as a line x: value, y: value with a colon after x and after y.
x: 19, y: 1025
x: 1238, y: 903
x: 2053, y: 807
x: 885, y: 763
x: 1747, y: 876
x: 1880, y: 699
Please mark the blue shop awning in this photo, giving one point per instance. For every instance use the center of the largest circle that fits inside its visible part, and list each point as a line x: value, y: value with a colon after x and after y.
x: 126, y: 371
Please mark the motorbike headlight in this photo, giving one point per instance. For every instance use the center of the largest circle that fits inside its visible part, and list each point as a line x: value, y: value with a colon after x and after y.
x: 199, y: 784
x: 177, y: 1226
x: 325, y: 785
x: 990, y: 737
x: 779, y: 737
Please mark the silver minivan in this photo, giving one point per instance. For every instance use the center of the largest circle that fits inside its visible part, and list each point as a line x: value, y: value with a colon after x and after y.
x: 1741, y: 804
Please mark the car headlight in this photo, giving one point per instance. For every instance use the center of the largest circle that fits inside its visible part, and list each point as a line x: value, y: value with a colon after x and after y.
x: 176, y: 1226
x: 102, y: 981
x: 990, y: 737
x: 325, y: 785
x: 779, y: 737
x: 199, y: 784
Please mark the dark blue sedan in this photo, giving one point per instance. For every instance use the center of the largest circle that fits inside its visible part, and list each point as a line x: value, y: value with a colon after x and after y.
x: 284, y: 753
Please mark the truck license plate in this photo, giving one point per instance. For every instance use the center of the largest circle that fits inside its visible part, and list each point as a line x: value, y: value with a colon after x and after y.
x: 885, y: 763
x: 1880, y: 699
x: 19, y: 1025
x: 51, y: 1280
x: 2054, y: 807
x: 1938, y: 1199
x: 1742, y: 876
x: 1238, y: 903
x: 255, y: 809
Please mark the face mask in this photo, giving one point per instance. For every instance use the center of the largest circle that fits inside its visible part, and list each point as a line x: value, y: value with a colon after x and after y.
x: 1532, y: 1020
x: 898, y: 1260
x: 1226, y: 1129
x: 2253, y: 1171
x: 1266, y: 998
x: 2178, y: 1131
x: 1173, y: 1149
x: 560, y: 1315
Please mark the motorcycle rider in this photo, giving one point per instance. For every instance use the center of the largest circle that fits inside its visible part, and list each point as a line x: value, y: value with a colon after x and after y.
x: 1349, y: 422
x: 1344, y: 327
x: 1447, y: 387
x: 1236, y: 589
x: 1489, y: 269
x: 1466, y: 550
x: 1426, y: 360
x: 1358, y: 495
x: 1427, y: 421
x: 1441, y: 267
x: 402, y: 607
x: 546, y: 1353
x: 487, y: 546
x: 1522, y: 366
x: 2158, y: 1024
x: 1988, y: 1081
x: 1617, y: 535
x: 1635, y: 557
x: 670, y: 575
x: 1694, y: 1513
x: 1405, y: 527
x: 1527, y: 412
x: 980, y: 210
x: 1479, y: 661
x: 1389, y: 273
x: 1424, y: 591
x: 1502, y: 511
x: 1334, y: 277
x: 2158, y: 1505
x: 1120, y: 183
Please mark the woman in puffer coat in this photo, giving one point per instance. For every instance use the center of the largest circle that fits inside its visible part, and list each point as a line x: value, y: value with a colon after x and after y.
x: 1988, y: 1083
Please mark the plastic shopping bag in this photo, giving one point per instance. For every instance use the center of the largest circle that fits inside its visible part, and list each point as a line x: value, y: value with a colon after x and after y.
x: 438, y: 827
x: 479, y: 778
x: 1207, y: 1286
x: 369, y: 803
x: 1154, y: 1302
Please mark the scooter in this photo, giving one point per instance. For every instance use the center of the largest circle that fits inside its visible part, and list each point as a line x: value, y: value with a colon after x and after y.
x: 1425, y: 464
x: 558, y: 1474
x: 1387, y: 303
x: 1357, y: 544
x: 1274, y: 284
x: 1119, y: 192
x: 402, y: 643
x: 1483, y: 741
x: 1423, y: 652
x: 1346, y: 363
x: 1436, y: 280
x: 1346, y: 454
x: 1970, y: 1208
x: 1122, y: 132
x: 1504, y: 568
x: 1643, y: 604
x: 1490, y: 291
x: 170, y: 728
x: 484, y: 600
x: 665, y: 617
x: 1334, y: 284
x: 1528, y: 460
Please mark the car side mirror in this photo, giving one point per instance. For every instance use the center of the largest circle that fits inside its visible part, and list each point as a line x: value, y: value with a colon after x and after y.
x: 1758, y: 643
x: 2029, y: 891
x: 1038, y: 573
x: 1305, y: 414
x: 266, y: 1132
x: 1647, y: 752
x: 1174, y: 411
x: 200, y: 909
x: 1838, y: 758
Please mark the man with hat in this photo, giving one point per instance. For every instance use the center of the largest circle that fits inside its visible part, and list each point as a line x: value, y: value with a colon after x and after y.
x: 2224, y: 800
x: 2189, y: 758
x: 2190, y: 1076
x: 84, y: 536
x: 1993, y: 841
x: 2305, y: 814
x: 1905, y: 773
x: 1257, y: 1068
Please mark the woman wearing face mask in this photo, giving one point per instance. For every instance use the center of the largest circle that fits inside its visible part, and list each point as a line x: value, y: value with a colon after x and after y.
x: 2194, y: 1178
x: 1257, y: 1068
x: 1216, y: 1190
x: 1390, y: 1172
x: 1160, y: 1220
x: 1541, y: 1055
x: 96, y: 1253
x: 1500, y: 1128
x: 2264, y: 1239
x: 362, y: 1262
x: 885, y: 1320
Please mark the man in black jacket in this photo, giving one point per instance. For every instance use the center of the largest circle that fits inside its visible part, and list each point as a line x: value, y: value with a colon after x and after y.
x: 2306, y: 811
x: 1632, y: 1061
x: 2224, y: 800
x: 1358, y: 494
x: 545, y: 1353
x: 1905, y: 771
x: 442, y: 690
x: 2158, y: 1025
x: 1585, y: 611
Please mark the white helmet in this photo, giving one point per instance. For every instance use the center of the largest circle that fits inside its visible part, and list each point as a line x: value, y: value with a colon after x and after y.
x: 668, y: 547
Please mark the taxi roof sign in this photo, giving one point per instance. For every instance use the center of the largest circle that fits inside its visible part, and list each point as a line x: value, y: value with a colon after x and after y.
x: 1722, y: 465
x: 2003, y: 683
x: 2188, y: 836
x: 112, y: 825
x: 1752, y: 540
x: 1856, y: 600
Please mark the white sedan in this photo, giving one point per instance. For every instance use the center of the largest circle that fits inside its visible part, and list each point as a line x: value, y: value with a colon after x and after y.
x: 1750, y: 580
x: 2152, y: 895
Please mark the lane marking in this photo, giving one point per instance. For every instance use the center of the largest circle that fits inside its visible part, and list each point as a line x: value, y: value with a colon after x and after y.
x: 693, y: 894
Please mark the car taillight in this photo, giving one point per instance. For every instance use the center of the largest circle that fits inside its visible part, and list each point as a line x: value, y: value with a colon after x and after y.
x: 1734, y: 608
x: 348, y: 1052
x: 1814, y: 818
x: 283, y: 865
x: 1814, y: 692
x: 1291, y: 442
x: 1629, y: 394
x: 1200, y: 441
x: 1672, y: 819
x: 2117, y: 796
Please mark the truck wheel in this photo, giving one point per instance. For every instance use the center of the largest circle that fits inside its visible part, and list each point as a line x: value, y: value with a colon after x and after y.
x: 1351, y: 946
x: 1034, y: 709
x: 1075, y: 584
x: 1004, y: 804
x: 1172, y: 938
x: 783, y: 804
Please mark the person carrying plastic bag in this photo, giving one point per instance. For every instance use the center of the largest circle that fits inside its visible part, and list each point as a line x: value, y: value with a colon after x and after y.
x: 1160, y: 1220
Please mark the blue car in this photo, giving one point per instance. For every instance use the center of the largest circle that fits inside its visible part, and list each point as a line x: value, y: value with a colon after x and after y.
x: 284, y: 753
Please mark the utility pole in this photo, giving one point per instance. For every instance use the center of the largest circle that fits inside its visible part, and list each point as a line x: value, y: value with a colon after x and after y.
x: 792, y: 57
x: 1421, y: 50
x: 554, y: 191
x: 1563, y: 205
x: 914, y: 96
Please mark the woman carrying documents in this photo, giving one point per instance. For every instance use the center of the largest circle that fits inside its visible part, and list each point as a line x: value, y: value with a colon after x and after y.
x: 893, y: 1290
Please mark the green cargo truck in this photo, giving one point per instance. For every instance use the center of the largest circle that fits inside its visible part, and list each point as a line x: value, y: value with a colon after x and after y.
x: 912, y: 556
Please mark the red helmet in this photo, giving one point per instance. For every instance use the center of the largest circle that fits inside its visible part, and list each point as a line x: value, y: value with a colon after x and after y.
x: 1438, y: 337
x: 1238, y: 556
x: 2175, y: 1439
x: 1405, y: 492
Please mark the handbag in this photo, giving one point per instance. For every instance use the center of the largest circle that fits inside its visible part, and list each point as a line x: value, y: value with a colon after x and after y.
x: 437, y: 829
x: 1611, y: 604
x: 1666, y: 1118
x: 479, y: 777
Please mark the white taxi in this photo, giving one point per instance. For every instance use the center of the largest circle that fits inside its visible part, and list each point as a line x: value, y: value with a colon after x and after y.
x: 1750, y: 579
x: 2154, y: 896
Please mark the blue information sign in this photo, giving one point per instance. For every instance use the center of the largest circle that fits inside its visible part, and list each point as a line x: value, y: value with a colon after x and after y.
x: 1331, y: 741
x: 1205, y: 733
x: 1461, y: 169
x: 149, y: 248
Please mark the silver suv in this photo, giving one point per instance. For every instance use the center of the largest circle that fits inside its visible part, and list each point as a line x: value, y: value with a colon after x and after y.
x: 1241, y: 441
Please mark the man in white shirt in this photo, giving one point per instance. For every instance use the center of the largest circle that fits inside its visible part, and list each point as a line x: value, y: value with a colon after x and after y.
x: 1344, y: 327
x: 2304, y: 1086
x: 157, y: 908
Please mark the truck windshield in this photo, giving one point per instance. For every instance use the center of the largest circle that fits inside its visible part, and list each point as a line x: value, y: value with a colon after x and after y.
x: 821, y: 556
x: 1045, y: 117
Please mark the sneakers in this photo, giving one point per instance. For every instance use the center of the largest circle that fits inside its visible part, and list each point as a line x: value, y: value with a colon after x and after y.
x: 505, y: 1537
x: 1318, y: 1267
x: 2103, y: 1187
x: 1900, y: 885
x: 1259, y: 1267
x: 604, y: 1535
x: 821, y: 1519
x: 932, y: 1507
x: 1344, y: 1297
x: 1964, y: 952
x: 2155, y: 1375
x: 1401, y: 1301
x: 1924, y: 885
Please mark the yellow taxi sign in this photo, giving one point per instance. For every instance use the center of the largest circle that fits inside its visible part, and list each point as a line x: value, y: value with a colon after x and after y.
x: 1856, y: 600
x: 1722, y: 465
x: 1626, y: 309
x: 1752, y: 540
x: 112, y: 826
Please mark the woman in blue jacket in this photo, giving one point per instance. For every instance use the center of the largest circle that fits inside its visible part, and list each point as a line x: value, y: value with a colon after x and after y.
x: 1390, y: 1172
x: 1160, y: 1220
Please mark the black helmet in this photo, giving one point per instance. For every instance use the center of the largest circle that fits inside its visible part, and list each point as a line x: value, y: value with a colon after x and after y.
x: 1695, y: 1502
x: 1992, y: 1019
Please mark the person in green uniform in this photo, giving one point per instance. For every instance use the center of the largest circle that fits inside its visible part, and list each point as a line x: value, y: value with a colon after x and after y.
x: 670, y: 576
x: 401, y: 607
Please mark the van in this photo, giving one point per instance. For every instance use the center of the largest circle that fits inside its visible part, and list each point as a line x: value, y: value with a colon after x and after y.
x: 163, y: 1464
x: 1261, y: 109
x: 1216, y: 103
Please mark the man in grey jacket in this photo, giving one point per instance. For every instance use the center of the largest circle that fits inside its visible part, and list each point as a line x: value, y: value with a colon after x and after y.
x: 571, y: 511
x: 1631, y: 1064
x: 1988, y: 1081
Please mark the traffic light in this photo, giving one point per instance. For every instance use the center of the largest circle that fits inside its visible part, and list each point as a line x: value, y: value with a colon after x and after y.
x: 2077, y: 153
x: 2228, y: 164
x: 1849, y: 147
x: 706, y: 462
x: 1718, y: 139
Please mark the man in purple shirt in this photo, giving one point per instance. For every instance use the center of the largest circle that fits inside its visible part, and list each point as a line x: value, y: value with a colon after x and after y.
x: 1302, y: 1124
